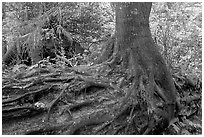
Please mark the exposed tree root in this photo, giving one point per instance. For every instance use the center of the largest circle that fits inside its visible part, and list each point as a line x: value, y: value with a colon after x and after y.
x: 46, y: 130
x: 95, y: 118
x: 65, y: 86
x: 189, y: 99
x: 21, y: 111
x: 95, y: 110
x: 33, y: 93
x: 79, y: 105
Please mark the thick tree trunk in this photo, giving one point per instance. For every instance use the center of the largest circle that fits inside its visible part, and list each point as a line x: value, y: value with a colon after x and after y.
x: 135, y: 44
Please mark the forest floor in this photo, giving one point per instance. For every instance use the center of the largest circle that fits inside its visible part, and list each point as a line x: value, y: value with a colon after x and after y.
x: 51, y: 99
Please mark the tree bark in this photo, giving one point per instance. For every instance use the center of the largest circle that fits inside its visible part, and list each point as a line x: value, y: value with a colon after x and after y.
x: 141, y: 56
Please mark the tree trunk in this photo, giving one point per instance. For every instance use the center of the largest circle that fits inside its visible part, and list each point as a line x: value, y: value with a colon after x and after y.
x: 141, y: 56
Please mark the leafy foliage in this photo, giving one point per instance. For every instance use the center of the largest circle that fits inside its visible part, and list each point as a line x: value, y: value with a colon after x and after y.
x: 85, y: 21
x: 176, y: 28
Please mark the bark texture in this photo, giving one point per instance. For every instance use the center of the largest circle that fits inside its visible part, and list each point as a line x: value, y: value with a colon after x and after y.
x: 136, y: 46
